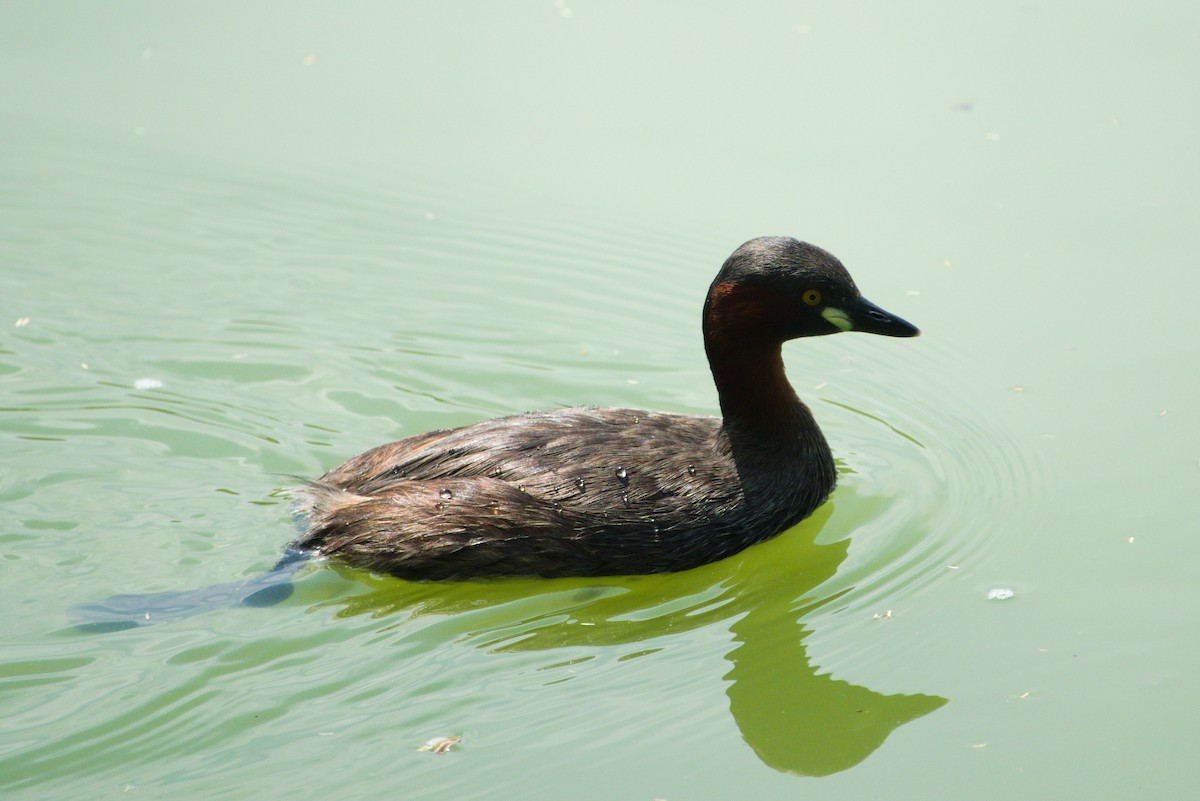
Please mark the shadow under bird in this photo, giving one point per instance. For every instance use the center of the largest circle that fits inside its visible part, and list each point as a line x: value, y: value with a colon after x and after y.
x: 588, y: 491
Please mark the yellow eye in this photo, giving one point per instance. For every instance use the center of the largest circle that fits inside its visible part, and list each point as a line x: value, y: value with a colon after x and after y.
x: 811, y: 297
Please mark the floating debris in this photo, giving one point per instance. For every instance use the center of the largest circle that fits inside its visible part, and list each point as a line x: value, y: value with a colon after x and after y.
x: 148, y: 383
x: 22, y: 322
x: 1000, y: 593
x: 885, y: 616
x: 440, y: 745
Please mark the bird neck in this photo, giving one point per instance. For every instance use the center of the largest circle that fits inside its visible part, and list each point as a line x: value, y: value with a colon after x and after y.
x: 745, y: 356
x: 754, y: 390
x: 780, y: 454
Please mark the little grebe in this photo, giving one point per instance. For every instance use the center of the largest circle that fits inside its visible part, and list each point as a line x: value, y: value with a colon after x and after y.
x: 590, y: 492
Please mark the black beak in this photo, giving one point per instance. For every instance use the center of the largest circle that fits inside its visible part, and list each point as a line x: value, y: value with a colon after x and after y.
x: 866, y: 316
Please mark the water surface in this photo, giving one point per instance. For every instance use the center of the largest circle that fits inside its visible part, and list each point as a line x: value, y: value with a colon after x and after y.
x: 240, y: 247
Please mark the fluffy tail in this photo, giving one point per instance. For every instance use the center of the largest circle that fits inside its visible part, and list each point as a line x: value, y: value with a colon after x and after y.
x: 120, y: 612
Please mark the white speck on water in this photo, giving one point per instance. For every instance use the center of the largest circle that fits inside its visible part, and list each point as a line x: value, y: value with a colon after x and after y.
x: 148, y: 383
x: 1000, y: 593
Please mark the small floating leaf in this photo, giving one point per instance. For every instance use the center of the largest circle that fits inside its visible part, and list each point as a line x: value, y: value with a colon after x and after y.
x: 440, y: 745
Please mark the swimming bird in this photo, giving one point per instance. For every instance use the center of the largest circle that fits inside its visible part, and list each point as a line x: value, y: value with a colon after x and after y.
x: 591, y: 492
x: 585, y: 491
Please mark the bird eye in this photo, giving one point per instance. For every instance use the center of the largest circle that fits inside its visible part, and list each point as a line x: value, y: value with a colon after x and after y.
x: 811, y: 297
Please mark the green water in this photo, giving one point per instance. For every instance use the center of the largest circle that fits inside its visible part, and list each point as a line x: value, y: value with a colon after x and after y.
x: 240, y: 243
